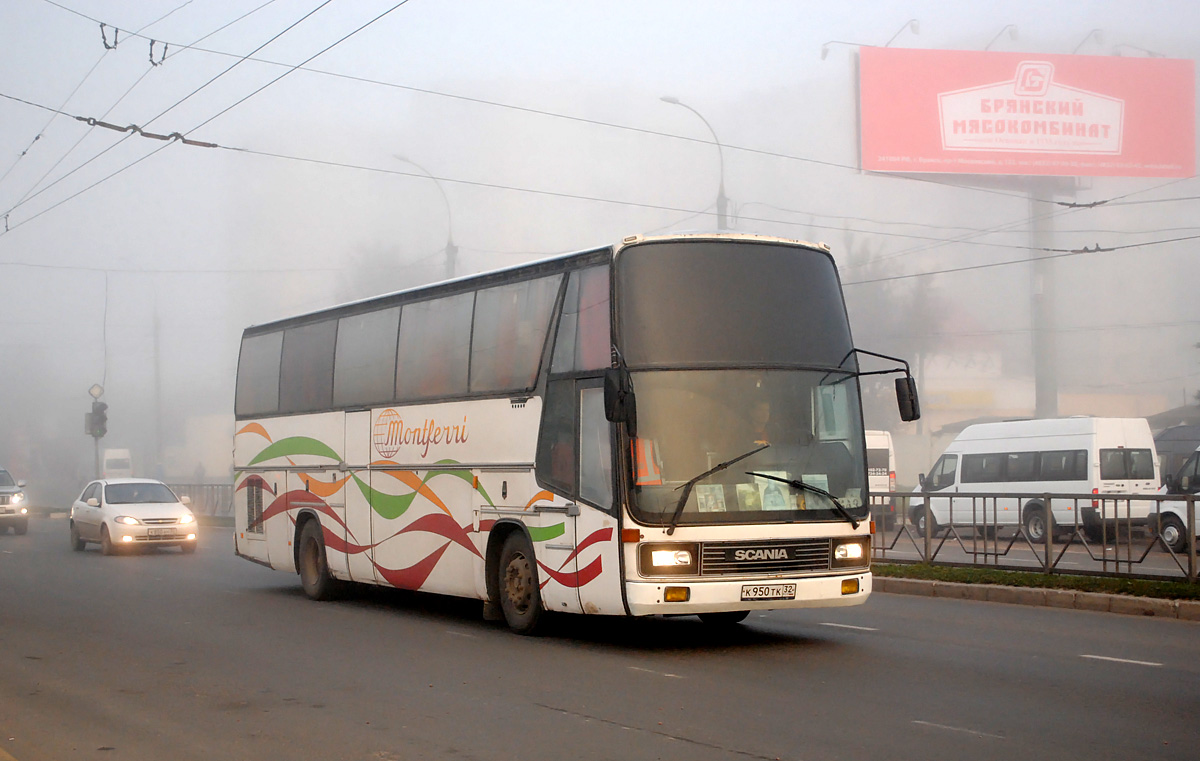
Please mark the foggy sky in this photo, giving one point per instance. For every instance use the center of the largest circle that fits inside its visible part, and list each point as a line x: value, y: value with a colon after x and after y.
x: 193, y: 244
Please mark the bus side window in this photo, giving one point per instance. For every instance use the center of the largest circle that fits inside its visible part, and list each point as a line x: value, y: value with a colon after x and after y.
x: 595, y: 449
x: 555, y: 462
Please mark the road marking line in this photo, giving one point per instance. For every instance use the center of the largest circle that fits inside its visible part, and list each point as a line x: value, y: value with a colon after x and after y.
x: 460, y: 634
x: 1120, y: 660
x: 657, y: 673
x: 958, y: 729
x: 848, y: 626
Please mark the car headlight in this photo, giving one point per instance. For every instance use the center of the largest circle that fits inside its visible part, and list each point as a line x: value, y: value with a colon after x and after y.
x: 127, y: 520
x: 187, y: 518
x: 18, y: 498
x: 668, y: 559
x: 850, y: 552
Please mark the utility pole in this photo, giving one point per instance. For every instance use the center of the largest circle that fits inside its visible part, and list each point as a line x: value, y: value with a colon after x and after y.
x: 1042, y: 319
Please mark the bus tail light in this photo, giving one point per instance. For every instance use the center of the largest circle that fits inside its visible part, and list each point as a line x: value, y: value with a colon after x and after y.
x: 892, y: 480
x: 1095, y: 502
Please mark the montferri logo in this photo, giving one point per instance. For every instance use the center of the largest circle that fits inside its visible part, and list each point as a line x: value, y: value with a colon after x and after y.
x: 386, y: 434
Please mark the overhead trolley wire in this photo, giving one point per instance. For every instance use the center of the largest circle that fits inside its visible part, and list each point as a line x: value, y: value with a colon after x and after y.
x: 68, y: 100
x: 556, y: 115
x: 140, y: 130
x: 147, y: 124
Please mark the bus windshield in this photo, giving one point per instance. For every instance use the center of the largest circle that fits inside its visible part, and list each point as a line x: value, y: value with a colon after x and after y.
x: 732, y: 346
x: 690, y: 421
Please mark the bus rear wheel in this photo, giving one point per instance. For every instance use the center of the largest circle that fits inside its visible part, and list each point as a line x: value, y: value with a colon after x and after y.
x: 313, y: 567
x: 1035, y: 523
x: 520, y: 595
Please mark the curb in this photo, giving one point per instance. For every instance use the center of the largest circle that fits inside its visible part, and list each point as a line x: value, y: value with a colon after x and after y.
x: 1185, y: 610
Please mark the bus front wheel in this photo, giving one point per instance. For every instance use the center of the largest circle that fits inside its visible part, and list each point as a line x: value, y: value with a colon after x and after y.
x: 520, y: 595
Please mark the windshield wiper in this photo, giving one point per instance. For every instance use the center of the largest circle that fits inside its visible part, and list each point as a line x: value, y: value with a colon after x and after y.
x: 687, y: 487
x: 797, y: 484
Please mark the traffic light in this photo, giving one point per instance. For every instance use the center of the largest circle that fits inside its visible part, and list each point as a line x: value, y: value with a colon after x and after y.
x: 99, y: 419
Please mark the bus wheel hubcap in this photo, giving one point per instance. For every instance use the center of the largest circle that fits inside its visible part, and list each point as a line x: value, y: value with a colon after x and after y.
x: 518, y: 583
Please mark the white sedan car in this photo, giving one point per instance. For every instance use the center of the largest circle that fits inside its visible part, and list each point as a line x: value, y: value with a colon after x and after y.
x: 131, y: 512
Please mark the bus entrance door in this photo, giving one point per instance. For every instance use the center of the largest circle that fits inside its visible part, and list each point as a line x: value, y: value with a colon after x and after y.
x: 358, y: 510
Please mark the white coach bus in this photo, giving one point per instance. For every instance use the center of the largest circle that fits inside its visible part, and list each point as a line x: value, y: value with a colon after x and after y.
x: 670, y: 425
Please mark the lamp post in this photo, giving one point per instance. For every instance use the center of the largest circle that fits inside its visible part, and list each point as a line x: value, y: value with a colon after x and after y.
x: 912, y: 24
x: 1149, y: 53
x: 451, y: 248
x: 1097, y: 34
x: 1012, y: 34
x: 722, y: 201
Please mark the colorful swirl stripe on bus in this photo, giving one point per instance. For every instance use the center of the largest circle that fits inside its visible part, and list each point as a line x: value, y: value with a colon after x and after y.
x: 393, y: 506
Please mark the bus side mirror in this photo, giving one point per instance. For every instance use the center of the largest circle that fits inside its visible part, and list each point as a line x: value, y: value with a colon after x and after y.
x: 906, y: 399
x: 1185, y: 483
x: 618, y: 396
x: 921, y: 482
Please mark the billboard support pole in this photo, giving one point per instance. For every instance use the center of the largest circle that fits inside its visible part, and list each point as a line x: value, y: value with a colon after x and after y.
x: 1041, y: 236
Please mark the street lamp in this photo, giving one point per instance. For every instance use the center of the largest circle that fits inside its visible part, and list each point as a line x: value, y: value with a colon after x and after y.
x: 451, y: 249
x: 722, y: 201
x: 1149, y: 53
x: 1098, y: 34
x: 1012, y: 35
x: 912, y: 24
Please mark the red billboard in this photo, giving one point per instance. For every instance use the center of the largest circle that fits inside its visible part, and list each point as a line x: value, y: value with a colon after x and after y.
x: 968, y: 112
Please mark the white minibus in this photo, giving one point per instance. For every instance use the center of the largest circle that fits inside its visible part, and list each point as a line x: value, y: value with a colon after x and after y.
x: 1173, y: 515
x: 1026, y: 458
x: 881, y: 477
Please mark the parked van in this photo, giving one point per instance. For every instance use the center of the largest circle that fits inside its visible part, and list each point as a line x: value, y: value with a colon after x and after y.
x: 1173, y: 518
x: 881, y: 477
x: 116, y: 463
x: 1076, y: 455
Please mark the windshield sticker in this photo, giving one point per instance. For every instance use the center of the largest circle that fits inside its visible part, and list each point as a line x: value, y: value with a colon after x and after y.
x: 711, y: 498
x: 772, y: 494
x: 748, y: 497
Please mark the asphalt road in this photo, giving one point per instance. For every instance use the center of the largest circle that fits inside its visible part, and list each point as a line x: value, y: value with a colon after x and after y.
x: 165, y: 656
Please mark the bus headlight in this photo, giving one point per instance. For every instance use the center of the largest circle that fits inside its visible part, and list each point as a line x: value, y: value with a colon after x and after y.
x: 849, y: 553
x: 659, y: 558
x: 668, y: 559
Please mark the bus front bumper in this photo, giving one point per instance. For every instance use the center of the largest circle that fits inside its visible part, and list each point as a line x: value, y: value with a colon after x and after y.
x: 646, y: 598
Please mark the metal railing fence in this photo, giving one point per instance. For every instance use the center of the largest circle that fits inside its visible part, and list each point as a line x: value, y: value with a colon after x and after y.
x: 1129, y: 535
x: 207, y: 499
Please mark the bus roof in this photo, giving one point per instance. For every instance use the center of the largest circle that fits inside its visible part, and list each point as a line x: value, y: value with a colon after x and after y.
x: 548, y: 265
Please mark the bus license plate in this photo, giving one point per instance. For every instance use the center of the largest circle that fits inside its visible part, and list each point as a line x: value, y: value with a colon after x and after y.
x: 769, y: 592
